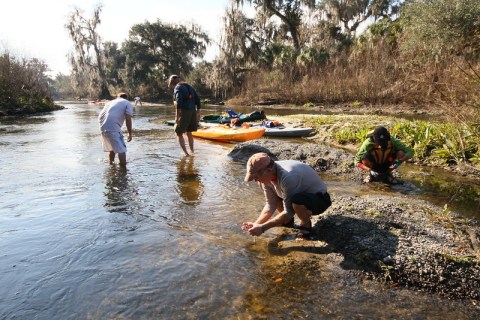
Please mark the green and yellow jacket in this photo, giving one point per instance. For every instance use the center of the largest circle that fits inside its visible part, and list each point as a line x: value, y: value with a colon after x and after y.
x: 368, y: 145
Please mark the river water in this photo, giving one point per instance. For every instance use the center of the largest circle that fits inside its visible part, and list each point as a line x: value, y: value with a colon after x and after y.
x: 82, y: 239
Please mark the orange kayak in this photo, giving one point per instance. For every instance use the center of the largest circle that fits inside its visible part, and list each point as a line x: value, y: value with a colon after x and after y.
x: 227, y: 134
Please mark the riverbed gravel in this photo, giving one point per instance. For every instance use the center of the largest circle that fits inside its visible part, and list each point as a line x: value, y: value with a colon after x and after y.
x: 391, y: 238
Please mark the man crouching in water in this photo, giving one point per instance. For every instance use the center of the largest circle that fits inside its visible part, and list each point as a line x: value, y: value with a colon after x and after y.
x: 380, y: 154
x: 291, y: 187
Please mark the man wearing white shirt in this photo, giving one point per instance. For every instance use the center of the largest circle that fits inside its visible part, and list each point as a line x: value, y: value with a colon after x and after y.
x: 111, y: 120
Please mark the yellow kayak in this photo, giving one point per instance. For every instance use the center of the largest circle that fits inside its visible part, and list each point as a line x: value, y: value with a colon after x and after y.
x: 227, y: 134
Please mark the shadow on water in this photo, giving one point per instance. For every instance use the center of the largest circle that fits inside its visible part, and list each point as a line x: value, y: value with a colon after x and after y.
x: 120, y: 191
x: 189, y: 183
x: 336, y: 233
x: 442, y: 188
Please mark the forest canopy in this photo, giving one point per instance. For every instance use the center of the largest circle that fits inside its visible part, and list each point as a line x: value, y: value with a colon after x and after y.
x: 422, y: 52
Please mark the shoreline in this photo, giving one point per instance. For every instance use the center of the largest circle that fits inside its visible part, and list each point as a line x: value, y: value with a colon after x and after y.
x: 389, y: 238
x: 324, y: 136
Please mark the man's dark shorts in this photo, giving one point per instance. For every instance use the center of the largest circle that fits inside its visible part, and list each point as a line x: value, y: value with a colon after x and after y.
x: 187, y: 121
x: 315, y: 202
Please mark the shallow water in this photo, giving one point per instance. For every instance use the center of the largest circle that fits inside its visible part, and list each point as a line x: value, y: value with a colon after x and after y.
x: 160, y: 240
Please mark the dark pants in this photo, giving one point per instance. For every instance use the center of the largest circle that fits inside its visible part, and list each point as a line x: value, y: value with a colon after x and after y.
x: 315, y: 202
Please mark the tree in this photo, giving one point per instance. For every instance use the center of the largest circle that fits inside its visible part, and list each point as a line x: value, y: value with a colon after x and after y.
x: 288, y: 11
x: 86, y: 58
x: 245, y: 44
x: 432, y: 29
x: 238, y: 45
x: 351, y: 14
x: 114, y: 59
x: 198, y: 79
x: 240, y: 41
x: 155, y: 50
x: 63, y: 87
x: 442, y: 38
x: 24, y: 85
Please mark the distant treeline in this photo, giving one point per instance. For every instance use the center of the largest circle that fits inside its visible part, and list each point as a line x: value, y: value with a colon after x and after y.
x: 424, y: 52
x: 421, y: 52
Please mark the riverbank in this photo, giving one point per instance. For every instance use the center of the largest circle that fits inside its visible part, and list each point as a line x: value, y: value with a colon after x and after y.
x: 29, y: 109
x: 356, y: 108
x: 437, y: 142
x: 400, y: 241
x: 340, y: 126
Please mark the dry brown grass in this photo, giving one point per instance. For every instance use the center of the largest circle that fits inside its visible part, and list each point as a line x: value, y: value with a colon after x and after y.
x: 373, y: 77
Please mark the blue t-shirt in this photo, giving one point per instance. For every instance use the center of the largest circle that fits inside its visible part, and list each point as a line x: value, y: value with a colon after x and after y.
x: 186, y: 97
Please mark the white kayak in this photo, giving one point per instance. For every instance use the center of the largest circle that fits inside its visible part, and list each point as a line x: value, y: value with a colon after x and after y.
x: 288, y: 132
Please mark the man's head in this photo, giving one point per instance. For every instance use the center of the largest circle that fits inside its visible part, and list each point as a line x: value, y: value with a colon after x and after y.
x: 257, y: 165
x: 173, y: 80
x: 122, y: 95
x: 381, y: 136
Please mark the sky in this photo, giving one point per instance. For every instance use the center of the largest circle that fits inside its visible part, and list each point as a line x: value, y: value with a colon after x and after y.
x: 35, y: 29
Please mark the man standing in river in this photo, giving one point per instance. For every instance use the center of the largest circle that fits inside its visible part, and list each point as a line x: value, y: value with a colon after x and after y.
x: 291, y: 187
x: 111, y: 120
x: 187, y: 116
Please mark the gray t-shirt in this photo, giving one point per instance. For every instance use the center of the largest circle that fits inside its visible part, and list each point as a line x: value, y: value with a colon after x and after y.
x: 292, y: 177
x: 112, y: 116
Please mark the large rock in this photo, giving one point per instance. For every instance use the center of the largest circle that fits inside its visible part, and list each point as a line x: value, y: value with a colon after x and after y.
x: 319, y: 157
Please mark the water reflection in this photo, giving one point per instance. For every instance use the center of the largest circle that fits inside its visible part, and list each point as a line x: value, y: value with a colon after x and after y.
x: 157, y: 260
x: 189, y: 184
x: 120, y: 190
x: 445, y: 189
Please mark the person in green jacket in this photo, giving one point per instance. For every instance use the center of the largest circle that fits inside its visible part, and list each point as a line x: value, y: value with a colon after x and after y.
x: 380, y: 154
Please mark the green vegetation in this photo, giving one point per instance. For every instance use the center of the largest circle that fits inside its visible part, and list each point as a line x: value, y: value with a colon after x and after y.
x: 24, y: 86
x: 349, y: 208
x: 351, y: 134
x: 357, y: 103
x: 372, y: 213
x: 447, y: 142
x: 460, y: 259
x: 434, y: 142
x: 386, y: 269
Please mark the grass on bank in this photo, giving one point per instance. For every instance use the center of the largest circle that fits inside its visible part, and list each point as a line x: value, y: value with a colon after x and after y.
x: 434, y: 142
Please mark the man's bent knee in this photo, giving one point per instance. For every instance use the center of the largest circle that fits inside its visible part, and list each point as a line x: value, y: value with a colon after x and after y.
x: 302, y: 211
